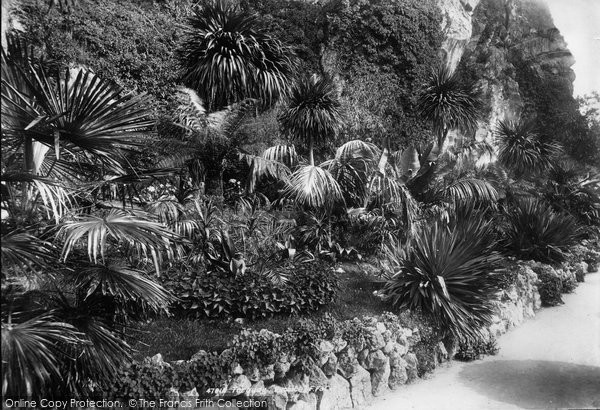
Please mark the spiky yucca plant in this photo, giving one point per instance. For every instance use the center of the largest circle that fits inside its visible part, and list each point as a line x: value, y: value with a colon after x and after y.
x: 448, y: 274
x: 521, y: 148
x: 533, y: 230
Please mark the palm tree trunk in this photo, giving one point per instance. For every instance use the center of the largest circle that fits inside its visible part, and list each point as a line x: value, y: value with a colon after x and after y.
x: 214, y: 179
x: 311, y: 148
x: 28, y: 166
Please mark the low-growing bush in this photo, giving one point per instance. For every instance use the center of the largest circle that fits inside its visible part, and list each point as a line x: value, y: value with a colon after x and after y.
x: 295, y: 288
x: 151, y: 380
x: 533, y: 230
x: 257, y: 348
x: 568, y: 280
x: 550, y: 285
x: 474, y: 349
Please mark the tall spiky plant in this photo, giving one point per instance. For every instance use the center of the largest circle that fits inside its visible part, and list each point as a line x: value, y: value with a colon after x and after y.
x: 227, y: 57
x: 448, y: 274
x: 521, y: 148
x: 448, y: 103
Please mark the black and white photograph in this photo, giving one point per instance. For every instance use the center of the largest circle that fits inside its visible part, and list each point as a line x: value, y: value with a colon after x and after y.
x: 300, y: 204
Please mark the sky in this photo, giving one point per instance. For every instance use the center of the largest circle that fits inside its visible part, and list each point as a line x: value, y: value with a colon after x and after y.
x: 579, y: 23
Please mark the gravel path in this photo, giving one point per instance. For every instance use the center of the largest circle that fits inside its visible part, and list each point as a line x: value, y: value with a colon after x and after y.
x: 551, y: 361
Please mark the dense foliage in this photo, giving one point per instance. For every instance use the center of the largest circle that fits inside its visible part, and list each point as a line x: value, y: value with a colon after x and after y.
x: 550, y: 286
x: 71, y: 280
x: 535, y: 231
x: 386, y: 49
x: 291, y: 289
x: 126, y: 195
x: 131, y: 43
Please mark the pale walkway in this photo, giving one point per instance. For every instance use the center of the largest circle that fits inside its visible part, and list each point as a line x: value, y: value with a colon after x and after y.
x: 551, y: 361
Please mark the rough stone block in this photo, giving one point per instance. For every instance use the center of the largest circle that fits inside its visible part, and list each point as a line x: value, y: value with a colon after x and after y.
x: 360, y: 387
x: 337, y: 396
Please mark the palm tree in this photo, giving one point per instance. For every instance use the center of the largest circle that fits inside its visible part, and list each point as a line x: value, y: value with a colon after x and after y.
x: 521, y: 148
x: 313, y: 116
x: 227, y: 57
x: 63, y: 310
x: 205, y: 139
x: 449, y: 104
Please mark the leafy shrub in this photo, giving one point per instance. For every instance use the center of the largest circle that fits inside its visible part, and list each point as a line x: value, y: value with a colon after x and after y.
x: 216, y: 294
x: 507, y: 275
x: 118, y: 40
x: 256, y: 348
x: 570, y: 194
x: 549, y: 286
x: 474, y: 349
x: 354, y: 332
x: 568, y: 281
x: 425, y: 349
x: 447, y: 274
x: 148, y: 379
x: 140, y: 379
x: 534, y: 231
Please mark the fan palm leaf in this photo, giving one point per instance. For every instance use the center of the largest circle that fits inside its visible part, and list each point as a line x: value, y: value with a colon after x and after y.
x: 358, y: 149
x: 81, y: 112
x: 390, y: 194
x: 31, y: 354
x: 25, y: 249
x: 352, y: 176
x: 126, y: 284
x: 264, y: 167
x: 55, y: 198
x: 101, y: 352
x: 314, y: 187
x: 465, y: 191
x: 167, y: 209
x: 143, y: 236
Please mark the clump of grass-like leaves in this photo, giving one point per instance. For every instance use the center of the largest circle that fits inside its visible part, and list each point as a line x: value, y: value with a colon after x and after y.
x: 448, y: 273
x: 523, y: 150
x: 535, y: 231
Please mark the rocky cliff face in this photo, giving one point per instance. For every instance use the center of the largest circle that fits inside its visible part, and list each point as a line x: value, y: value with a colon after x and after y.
x: 499, y: 42
x: 457, y: 26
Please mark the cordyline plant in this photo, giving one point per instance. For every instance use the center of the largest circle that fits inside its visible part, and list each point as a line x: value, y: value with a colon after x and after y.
x: 227, y: 57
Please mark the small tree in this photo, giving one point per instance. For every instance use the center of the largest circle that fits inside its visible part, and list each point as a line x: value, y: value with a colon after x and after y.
x: 312, y: 116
